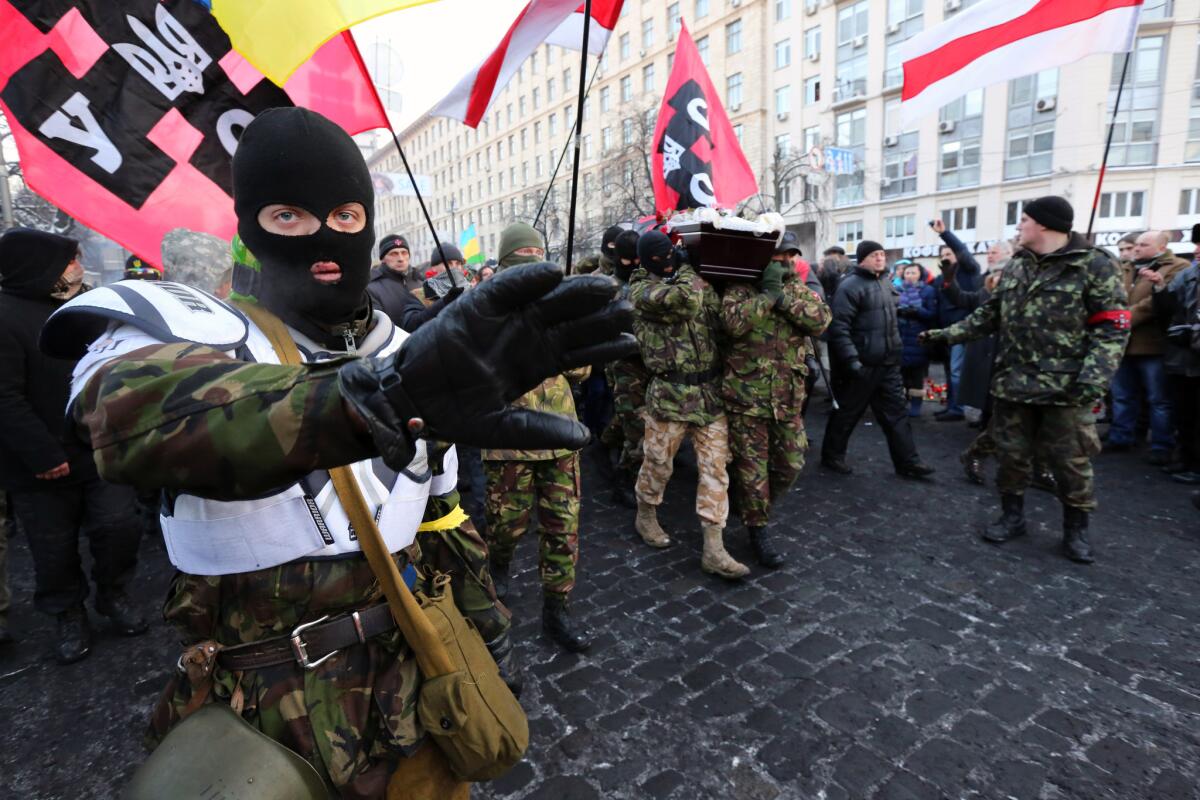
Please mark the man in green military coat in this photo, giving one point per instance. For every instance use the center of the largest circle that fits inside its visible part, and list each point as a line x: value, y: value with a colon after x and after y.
x: 1061, y: 320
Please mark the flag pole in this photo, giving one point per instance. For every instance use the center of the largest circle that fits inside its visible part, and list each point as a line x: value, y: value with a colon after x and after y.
x: 587, y: 29
x: 403, y: 159
x: 563, y: 154
x: 1112, y: 126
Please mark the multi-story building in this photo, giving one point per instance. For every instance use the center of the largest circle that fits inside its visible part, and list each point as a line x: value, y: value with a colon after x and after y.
x: 798, y: 76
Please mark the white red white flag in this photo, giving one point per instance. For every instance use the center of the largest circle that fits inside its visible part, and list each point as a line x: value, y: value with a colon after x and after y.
x: 998, y: 40
x: 558, y: 22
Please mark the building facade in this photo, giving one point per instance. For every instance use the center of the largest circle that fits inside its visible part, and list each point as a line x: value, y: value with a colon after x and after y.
x: 799, y: 76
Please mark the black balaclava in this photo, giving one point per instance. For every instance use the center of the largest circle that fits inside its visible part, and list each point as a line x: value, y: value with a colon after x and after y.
x: 654, y: 253
x: 33, y: 262
x: 626, y: 248
x: 608, y: 244
x: 298, y: 157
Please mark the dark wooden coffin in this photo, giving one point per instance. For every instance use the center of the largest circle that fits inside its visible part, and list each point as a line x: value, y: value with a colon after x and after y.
x: 723, y: 254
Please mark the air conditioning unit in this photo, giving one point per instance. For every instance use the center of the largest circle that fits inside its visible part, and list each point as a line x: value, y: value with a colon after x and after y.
x: 816, y: 56
x: 885, y: 183
x: 893, y: 28
x: 641, y: 53
x: 735, y: 107
x: 860, y: 41
x: 735, y: 3
x: 891, y: 141
x: 951, y: 6
x: 810, y: 7
x: 947, y: 126
x: 1046, y: 104
x: 782, y: 116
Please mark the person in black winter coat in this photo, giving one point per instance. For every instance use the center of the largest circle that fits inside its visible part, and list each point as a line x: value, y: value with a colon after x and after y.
x: 1178, y: 305
x: 916, y: 307
x: 393, y: 287
x: 865, y: 348
x: 55, y: 490
x: 954, y: 254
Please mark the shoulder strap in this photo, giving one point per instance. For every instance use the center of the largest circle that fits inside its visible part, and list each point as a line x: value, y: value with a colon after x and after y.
x: 422, y: 637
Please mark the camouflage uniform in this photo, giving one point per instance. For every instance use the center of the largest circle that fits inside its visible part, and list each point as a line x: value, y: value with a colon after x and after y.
x: 677, y: 323
x: 764, y: 389
x: 1061, y: 323
x: 183, y: 418
x: 517, y: 480
x: 628, y: 378
x: 599, y: 264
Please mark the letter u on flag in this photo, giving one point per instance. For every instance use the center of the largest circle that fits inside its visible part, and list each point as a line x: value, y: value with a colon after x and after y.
x: 277, y: 36
x: 999, y: 40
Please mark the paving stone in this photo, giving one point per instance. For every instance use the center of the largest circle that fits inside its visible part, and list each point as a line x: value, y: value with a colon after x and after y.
x: 849, y: 712
x: 1010, y: 705
x: 859, y: 770
x: 816, y: 647
x: 929, y: 706
x: 942, y: 760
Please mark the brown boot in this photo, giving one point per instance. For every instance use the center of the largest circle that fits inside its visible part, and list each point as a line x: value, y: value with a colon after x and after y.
x: 716, y: 560
x: 647, y: 526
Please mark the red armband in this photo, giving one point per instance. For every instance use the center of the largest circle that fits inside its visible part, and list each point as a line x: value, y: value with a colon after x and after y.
x: 1120, y: 318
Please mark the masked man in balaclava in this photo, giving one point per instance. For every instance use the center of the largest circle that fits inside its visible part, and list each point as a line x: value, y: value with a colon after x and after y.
x: 604, y: 262
x: 677, y: 321
x: 628, y: 378
x: 518, y: 480
x: 188, y: 396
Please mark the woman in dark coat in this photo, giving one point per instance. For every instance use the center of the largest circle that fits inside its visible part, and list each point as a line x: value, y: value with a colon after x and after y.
x: 916, y: 308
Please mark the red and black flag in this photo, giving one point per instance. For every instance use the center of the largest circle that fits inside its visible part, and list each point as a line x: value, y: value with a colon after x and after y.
x: 126, y: 115
x: 697, y: 160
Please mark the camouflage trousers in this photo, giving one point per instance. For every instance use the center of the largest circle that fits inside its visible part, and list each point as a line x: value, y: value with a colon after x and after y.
x: 768, y: 456
x: 514, y: 488
x: 624, y: 433
x: 1063, y: 437
x: 711, y: 442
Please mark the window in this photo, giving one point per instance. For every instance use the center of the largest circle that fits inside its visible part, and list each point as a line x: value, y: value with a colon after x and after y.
x: 851, y: 133
x: 898, y: 231
x: 702, y: 46
x: 851, y: 52
x: 521, y: 106
x: 812, y: 137
x: 701, y: 9
x: 550, y: 52
x: 960, y: 127
x: 733, y: 91
x: 900, y: 150
x: 605, y: 99
x: 648, y: 78
x: 537, y: 98
x: 812, y: 43
x: 783, y: 101
x: 508, y: 114
x: 606, y: 139
x: 1122, y: 205
x: 624, y: 40
x: 783, y: 10
x: 733, y: 37
x: 904, y: 21
x: 1157, y: 9
x: 812, y: 90
x: 674, y: 20
x: 525, y: 173
x: 524, y: 138
x: 1189, y: 202
x: 1013, y: 211
x: 587, y: 146
x: 537, y: 166
x: 627, y: 131
x: 647, y: 34
x: 552, y: 125
x: 850, y: 233
x: 1135, y: 132
x: 626, y: 89
x: 1029, y: 149
x: 551, y: 90
x: 783, y: 54
x: 783, y: 145
x: 537, y: 133
x: 960, y: 220
x: 1191, y: 150
x: 738, y: 131
x: 533, y: 62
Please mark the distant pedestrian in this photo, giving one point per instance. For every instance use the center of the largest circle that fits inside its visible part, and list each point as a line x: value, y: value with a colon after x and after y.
x: 1178, y: 305
x: 970, y: 278
x: 916, y: 308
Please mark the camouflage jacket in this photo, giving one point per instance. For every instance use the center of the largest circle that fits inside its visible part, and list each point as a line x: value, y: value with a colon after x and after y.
x: 599, y: 264
x: 553, y: 396
x: 764, y: 362
x: 1061, y: 322
x: 627, y: 377
x: 677, y: 325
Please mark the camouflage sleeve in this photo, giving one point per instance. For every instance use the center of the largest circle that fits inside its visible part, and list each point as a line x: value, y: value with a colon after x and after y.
x: 804, y: 308
x: 1108, y: 321
x: 743, y: 309
x: 586, y: 266
x: 579, y: 374
x: 188, y: 418
x: 678, y: 301
x: 983, y: 321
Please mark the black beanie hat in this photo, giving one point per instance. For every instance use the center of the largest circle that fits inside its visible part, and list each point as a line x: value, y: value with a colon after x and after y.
x: 865, y: 248
x: 452, y: 254
x: 1051, y: 211
x: 391, y: 242
x: 627, y: 245
x: 654, y: 252
x: 609, y: 242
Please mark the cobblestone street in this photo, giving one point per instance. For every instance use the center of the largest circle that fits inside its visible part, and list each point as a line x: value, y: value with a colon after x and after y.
x: 895, y: 656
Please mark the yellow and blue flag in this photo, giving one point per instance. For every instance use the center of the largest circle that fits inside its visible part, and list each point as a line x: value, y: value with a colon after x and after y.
x: 468, y: 242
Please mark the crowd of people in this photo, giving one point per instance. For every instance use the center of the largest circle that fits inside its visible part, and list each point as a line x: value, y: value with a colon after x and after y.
x: 505, y: 358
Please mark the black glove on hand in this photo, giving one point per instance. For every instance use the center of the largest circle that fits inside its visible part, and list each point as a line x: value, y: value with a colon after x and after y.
x: 772, y: 279
x: 459, y: 372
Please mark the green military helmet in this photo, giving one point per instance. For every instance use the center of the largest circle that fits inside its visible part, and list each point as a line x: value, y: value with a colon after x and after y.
x: 215, y: 753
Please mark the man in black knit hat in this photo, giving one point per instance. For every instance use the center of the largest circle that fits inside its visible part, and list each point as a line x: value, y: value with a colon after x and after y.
x: 865, y: 349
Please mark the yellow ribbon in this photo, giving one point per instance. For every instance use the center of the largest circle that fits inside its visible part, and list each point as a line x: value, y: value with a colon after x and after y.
x: 452, y: 520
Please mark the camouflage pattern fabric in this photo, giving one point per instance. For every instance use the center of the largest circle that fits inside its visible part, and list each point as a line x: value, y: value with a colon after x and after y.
x: 768, y: 456
x: 711, y: 442
x: 982, y: 446
x: 141, y: 411
x: 1063, y: 437
x: 514, y: 488
x: 628, y: 378
x: 677, y: 324
x: 764, y: 362
x: 598, y: 264
x: 554, y: 396
x: 1059, y: 334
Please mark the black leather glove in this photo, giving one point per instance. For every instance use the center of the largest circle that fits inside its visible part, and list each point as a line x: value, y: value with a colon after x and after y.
x: 458, y: 373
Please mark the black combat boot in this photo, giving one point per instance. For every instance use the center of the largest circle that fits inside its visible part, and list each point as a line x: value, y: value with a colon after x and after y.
x: 122, y: 615
x: 1012, y: 520
x: 763, y: 542
x: 74, y: 636
x: 918, y: 470
x: 622, y: 489
x: 505, y: 654
x: 1075, y: 543
x: 836, y: 464
x: 558, y: 625
x: 1043, y: 478
x: 499, y: 577
x: 973, y: 467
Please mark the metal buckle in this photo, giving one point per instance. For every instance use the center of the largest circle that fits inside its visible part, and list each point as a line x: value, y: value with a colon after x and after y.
x: 358, y: 628
x: 301, y: 651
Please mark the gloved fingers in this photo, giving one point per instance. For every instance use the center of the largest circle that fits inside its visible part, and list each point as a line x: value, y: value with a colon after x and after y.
x: 607, y: 323
x: 521, y: 428
x: 622, y: 346
x: 512, y: 289
x: 576, y: 297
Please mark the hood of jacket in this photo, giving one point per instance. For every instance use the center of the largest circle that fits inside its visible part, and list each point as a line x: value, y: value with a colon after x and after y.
x: 31, y: 262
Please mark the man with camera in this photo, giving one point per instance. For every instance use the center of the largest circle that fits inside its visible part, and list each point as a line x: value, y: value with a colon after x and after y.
x: 956, y: 262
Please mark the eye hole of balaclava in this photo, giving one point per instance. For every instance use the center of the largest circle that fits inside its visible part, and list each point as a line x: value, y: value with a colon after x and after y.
x: 298, y: 158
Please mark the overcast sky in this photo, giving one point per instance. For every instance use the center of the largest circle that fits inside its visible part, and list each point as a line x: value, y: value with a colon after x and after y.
x: 439, y: 43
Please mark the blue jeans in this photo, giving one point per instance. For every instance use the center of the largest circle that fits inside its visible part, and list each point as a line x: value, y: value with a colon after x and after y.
x: 1138, y: 374
x: 958, y: 355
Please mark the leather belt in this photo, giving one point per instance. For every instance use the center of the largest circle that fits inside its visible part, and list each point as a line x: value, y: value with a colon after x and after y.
x: 311, y: 643
x: 691, y: 378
